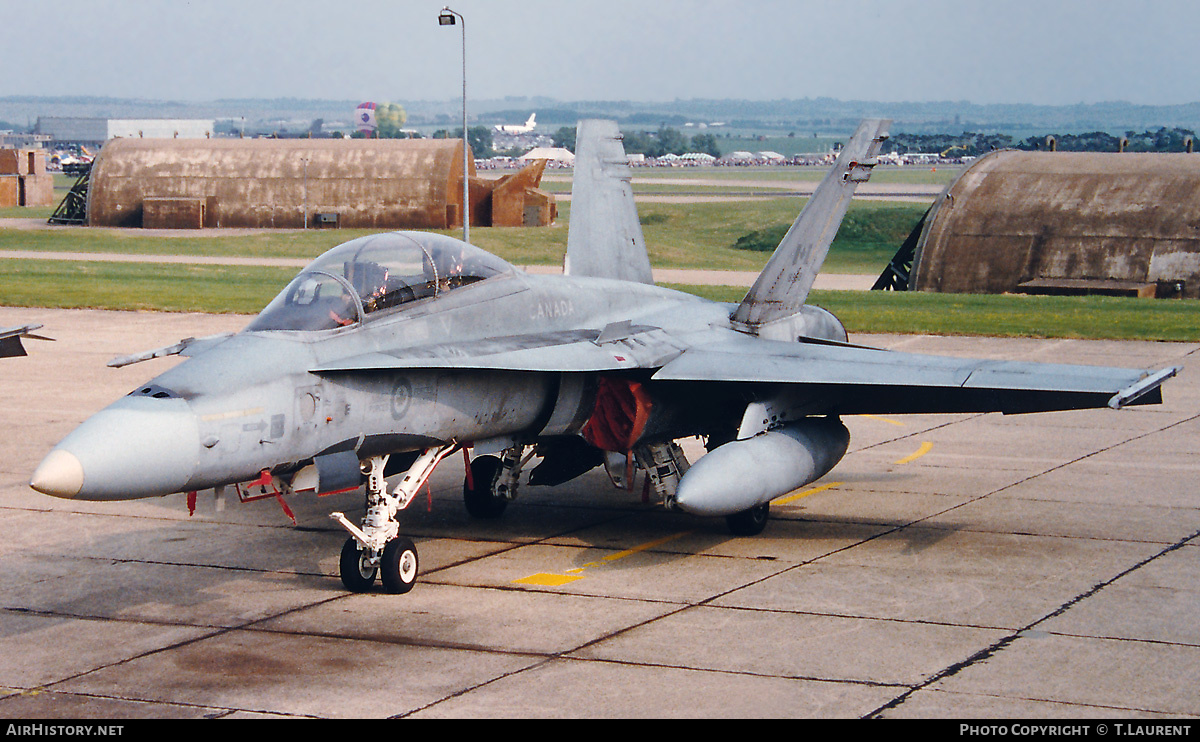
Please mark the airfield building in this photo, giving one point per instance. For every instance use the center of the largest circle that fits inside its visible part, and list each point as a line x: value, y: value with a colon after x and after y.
x: 93, y: 132
x: 293, y: 183
x: 1065, y: 223
x: 23, y: 178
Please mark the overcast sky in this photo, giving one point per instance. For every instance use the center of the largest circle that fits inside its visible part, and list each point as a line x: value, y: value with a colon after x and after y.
x: 983, y: 51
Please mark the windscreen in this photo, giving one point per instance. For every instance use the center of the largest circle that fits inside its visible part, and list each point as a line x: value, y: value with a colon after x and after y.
x: 312, y: 301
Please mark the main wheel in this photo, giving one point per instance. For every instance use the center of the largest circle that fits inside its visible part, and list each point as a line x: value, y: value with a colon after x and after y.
x: 398, y: 566
x: 479, y: 499
x: 357, y: 575
x: 749, y: 522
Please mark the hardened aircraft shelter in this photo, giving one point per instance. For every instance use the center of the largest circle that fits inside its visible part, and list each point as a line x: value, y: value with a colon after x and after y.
x: 296, y: 183
x: 1065, y: 222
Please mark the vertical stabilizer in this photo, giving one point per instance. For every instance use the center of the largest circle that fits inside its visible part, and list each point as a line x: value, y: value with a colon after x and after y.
x: 783, y: 286
x: 604, y: 236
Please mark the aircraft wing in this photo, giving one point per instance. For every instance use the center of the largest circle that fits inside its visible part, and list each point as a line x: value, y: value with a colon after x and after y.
x: 10, y: 339
x: 618, y: 346
x: 844, y: 379
x: 604, y: 236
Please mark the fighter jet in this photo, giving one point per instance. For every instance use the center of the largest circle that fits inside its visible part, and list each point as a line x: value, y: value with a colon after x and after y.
x: 10, y: 339
x: 529, y: 125
x: 393, y: 351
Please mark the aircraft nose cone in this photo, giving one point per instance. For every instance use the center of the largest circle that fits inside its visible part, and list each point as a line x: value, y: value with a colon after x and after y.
x: 136, y: 447
x: 60, y: 474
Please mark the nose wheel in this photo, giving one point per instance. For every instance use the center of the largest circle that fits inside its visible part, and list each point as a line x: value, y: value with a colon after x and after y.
x: 398, y: 566
x: 358, y: 567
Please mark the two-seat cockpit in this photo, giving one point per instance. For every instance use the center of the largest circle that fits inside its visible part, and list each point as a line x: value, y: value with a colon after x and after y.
x: 364, y: 278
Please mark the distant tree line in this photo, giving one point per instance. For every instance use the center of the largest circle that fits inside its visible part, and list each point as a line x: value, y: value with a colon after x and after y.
x: 969, y: 144
x: 479, y: 137
x: 651, y: 143
x: 1161, y: 140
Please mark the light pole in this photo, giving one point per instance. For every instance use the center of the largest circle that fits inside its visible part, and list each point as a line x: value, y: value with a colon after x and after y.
x: 305, y: 161
x: 447, y: 18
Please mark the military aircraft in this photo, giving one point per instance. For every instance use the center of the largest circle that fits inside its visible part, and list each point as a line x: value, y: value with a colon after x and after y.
x: 393, y: 351
x: 529, y: 125
x: 10, y: 339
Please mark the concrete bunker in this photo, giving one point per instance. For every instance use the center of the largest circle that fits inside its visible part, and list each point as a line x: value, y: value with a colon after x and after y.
x: 296, y: 183
x: 1065, y: 223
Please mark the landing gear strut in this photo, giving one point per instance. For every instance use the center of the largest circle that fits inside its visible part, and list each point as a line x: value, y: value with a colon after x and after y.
x: 377, y: 548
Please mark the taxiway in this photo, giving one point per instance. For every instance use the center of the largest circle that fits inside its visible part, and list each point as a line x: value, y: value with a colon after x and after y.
x: 961, y: 566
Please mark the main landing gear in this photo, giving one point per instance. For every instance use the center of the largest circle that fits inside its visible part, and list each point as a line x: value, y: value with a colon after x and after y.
x: 376, y: 549
x: 493, y: 480
x: 749, y: 522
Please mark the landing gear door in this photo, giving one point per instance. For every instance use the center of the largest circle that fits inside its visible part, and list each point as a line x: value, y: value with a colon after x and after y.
x: 619, y: 467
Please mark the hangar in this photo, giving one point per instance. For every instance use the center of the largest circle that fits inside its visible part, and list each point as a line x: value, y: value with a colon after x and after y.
x: 296, y: 183
x: 1063, y: 223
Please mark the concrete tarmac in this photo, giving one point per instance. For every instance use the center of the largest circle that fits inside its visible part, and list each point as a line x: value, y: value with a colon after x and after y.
x: 952, y: 566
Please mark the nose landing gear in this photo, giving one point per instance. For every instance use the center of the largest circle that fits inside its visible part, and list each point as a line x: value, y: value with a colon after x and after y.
x: 377, y: 548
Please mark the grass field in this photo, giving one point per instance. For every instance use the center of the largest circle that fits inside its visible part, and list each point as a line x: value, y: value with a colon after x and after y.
x: 245, y: 290
x: 726, y: 179
x: 702, y: 235
x: 1091, y: 317
x: 679, y: 235
x: 139, y: 286
x: 689, y: 235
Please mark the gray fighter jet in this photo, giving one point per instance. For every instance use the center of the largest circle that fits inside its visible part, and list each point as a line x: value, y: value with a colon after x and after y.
x: 406, y: 347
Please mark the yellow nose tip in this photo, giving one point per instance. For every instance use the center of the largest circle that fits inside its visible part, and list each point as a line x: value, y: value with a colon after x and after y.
x: 60, y: 474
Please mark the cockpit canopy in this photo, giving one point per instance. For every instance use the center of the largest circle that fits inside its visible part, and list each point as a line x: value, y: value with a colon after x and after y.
x: 362, y: 277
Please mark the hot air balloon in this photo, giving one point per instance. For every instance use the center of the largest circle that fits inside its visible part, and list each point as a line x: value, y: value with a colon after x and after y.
x: 364, y: 118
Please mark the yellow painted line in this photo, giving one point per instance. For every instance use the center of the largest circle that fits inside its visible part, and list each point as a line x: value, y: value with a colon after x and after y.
x: 637, y: 549
x: 924, y: 449
x: 887, y: 420
x: 805, y: 493
x: 548, y: 579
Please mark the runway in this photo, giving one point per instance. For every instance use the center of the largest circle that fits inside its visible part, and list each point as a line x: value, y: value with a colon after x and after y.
x: 951, y: 566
